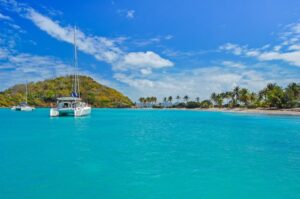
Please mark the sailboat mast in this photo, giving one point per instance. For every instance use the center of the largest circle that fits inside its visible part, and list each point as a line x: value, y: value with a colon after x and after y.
x: 26, y: 91
x: 76, y: 80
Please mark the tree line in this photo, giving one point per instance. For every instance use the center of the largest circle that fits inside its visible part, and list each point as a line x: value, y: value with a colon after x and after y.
x: 272, y: 96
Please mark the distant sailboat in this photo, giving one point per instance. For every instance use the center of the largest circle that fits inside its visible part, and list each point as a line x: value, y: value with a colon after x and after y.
x: 72, y: 105
x: 23, y: 106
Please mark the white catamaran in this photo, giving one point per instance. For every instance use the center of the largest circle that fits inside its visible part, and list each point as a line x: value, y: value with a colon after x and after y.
x: 23, y: 106
x: 72, y: 106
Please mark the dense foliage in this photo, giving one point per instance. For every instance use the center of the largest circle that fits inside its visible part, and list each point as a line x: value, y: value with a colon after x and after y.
x: 44, y: 93
x: 272, y: 96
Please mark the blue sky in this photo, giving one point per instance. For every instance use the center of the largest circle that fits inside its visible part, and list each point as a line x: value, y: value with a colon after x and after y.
x: 153, y: 48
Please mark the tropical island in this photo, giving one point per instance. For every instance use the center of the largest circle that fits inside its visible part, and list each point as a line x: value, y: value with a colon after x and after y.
x: 44, y: 93
x: 271, y: 99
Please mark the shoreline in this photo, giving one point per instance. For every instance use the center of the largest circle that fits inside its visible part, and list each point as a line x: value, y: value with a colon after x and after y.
x: 290, y: 112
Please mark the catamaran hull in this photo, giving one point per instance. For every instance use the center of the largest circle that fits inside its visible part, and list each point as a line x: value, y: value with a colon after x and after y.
x: 82, y: 111
x: 23, y: 108
x: 76, y: 112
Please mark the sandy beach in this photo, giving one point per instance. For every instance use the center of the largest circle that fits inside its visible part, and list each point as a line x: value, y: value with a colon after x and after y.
x: 294, y: 111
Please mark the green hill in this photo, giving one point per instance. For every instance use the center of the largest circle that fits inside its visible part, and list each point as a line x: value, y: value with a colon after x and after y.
x: 44, y: 93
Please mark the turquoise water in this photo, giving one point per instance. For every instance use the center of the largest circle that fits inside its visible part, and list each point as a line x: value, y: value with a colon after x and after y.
x: 146, y: 154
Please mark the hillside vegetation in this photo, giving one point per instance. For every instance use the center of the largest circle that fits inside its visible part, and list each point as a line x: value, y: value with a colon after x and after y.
x: 44, y: 93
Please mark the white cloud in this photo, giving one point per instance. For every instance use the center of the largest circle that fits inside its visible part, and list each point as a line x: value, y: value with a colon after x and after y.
x: 291, y: 56
x: 252, y: 53
x: 3, y: 53
x: 130, y: 14
x: 147, y: 59
x: 134, y: 82
x: 101, y: 48
x: 140, y: 72
x: 151, y: 41
x: 4, y: 17
x: 18, y: 67
x: 201, y: 82
x: 233, y: 64
x: 168, y: 37
x: 146, y: 71
x: 234, y: 48
x: 287, y: 51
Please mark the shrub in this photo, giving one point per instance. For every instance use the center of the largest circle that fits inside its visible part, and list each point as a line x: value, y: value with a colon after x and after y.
x: 193, y: 105
x: 206, y: 104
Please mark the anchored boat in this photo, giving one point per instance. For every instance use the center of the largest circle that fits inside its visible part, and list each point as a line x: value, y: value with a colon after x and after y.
x: 23, y: 106
x: 72, y: 106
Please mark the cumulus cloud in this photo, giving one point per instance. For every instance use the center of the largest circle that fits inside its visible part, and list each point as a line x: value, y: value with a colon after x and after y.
x: 101, y: 48
x: 139, y: 73
x: 202, y: 81
x: 137, y: 60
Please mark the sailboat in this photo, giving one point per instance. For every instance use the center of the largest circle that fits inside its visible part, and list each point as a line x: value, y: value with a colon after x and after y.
x: 23, y: 106
x: 72, y: 105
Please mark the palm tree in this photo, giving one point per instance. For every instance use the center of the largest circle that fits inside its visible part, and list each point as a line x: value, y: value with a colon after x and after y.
x: 292, y: 95
x: 142, y: 101
x: 165, y: 100
x: 177, y: 98
x: 271, y: 86
x: 262, y: 94
x: 244, y: 96
x: 218, y: 99
x: 229, y: 97
x: 146, y: 99
x: 273, y: 96
x: 154, y: 100
x: 293, y: 90
x: 186, y: 98
x: 170, y: 98
x: 236, y: 95
x: 213, y: 97
x: 253, y: 98
x: 198, y: 99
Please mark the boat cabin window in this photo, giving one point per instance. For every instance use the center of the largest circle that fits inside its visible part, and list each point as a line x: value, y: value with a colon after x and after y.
x: 64, y: 105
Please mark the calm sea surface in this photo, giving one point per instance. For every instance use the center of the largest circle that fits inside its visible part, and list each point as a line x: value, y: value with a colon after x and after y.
x: 149, y: 154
